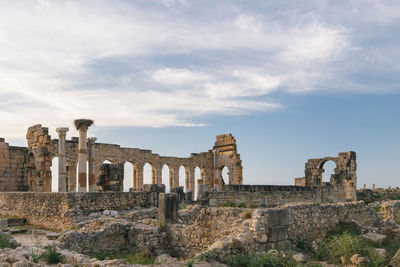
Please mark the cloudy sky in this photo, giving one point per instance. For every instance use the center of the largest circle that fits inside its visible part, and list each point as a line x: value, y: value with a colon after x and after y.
x: 291, y: 80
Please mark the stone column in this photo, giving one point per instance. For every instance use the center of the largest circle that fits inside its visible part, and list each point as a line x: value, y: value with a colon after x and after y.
x: 92, y: 176
x: 82, y: 125
x: 62, y: 167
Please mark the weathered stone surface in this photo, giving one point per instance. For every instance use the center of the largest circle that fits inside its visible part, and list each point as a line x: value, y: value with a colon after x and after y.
x: 374, y: 237
x: 395, y: 262
x: 299, y: 257
x: 168, y: 205
x: 357, y: 259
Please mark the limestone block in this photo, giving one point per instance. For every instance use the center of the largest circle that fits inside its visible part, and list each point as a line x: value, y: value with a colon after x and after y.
x: 395, y: 262
x: 168, y: 205
x: 277, y: 217
x: 278, y: 233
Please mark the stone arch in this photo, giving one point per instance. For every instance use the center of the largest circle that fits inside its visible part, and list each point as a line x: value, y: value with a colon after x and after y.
x: 148, y: 173
x: 184, y: 177
x: 129, y: 176
x: 225, y: 175
x: 328, y: 170
x: 167, y: 176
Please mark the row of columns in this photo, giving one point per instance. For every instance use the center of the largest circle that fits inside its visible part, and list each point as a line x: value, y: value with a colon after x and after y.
x: 84, y: 154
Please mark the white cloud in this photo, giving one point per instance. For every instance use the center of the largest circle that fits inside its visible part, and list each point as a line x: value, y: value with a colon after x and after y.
x: 171, y: 76
x: 163, y: 63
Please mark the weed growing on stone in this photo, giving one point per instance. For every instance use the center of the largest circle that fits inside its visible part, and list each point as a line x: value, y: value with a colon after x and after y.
x: 397, y: 217
x: 5, y: 241
x: 205, y: 256
x: 35, y: 256
x: 190, y: 263
x: 137, y: 258
x: 182, y: 206
x: 163, y: 226
x: 101, y: 255
x: 268, y: 260
x: 51, y: 255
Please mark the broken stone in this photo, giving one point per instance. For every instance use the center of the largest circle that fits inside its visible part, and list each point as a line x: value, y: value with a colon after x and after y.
x: 299, y: 257
x: 52, y: 236
x: 357, y: 259
x: 165, y: 258
x: 374, y: 237
x: 395, y: 262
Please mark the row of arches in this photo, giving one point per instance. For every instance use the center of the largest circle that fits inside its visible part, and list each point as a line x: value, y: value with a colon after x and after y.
x: 148, y: 176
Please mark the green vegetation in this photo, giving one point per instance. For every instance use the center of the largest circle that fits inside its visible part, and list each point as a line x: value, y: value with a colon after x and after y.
x: 205, y: 256
x: 182, y: 206
x: 35, y: 256
x: 266, y: 260
x: 136, y: 258
x: 345, y: 241
x: 377, y: 209
x: 246, y: 214
x: 162, y: 225
x: 51, y: 255
x: 397, y: 217
x: 129, y: 257
x: 5, y: 241
x: 190, y: 263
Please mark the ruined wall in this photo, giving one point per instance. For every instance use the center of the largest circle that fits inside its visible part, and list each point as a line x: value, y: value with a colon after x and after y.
x: 12, y: 167
x: 390, y: 211
x: 344, y: 179
x: 262, y: 195
x: 61, y: 210
x: 378, y: 194
x: 273, y: 195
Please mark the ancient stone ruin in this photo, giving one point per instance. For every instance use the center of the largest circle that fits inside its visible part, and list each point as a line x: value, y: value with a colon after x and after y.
x: 90, y: 213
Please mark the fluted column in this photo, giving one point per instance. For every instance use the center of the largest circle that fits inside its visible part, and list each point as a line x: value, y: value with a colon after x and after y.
x: 92, y: 175
x: 62, y: 167
x: 82, y: 125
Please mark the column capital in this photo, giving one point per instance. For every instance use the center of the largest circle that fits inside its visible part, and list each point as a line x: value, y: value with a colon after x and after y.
x: 83, y: 124
x: 62, y: 130
x: 91, y: 140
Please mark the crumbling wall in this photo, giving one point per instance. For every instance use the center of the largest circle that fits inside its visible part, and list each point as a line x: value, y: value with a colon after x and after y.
x: 13, y: 170
x: 262, y: 195
x: 62, y: 210
x: 39, y: 146
x: 343, y: 182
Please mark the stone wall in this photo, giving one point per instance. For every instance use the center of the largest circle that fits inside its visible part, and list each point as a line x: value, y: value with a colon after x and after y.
x: 390, y: 211
x: 13, y: 169
x: 273, y: 195
x: 62, y: 210
x: 378, y: 194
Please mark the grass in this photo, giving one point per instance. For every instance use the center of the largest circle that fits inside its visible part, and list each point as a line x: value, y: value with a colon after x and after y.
x: 345, y: 241
x: 162, y: 225
x: 51, y: 255
x: 129, y: 257
x: 136, y: 258
x: 266, y: 260
x: 5, y: 241
x: 182, y: 206
x: 205, y: 256
x: 35, y: 256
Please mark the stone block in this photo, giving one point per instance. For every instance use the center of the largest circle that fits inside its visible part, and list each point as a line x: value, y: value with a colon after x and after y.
x: 3, y: 223
x: 277, y: 234
x: 277, y: 217
x: 16, y: 222
x: 168, y: 206
x: 189, y: 196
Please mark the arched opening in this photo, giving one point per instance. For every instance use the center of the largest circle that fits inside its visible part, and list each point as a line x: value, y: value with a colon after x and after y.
x: 54, y: 174
x: 328, y: 169
x: 197, y: 177
x: 128, y: 176
x: 147, y: 174
x: 183, y: 176
x: 165, y: 177
x: 225, y: 175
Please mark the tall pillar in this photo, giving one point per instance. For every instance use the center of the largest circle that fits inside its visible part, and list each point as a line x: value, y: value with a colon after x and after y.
x: 82, y: 125
x: 92, y: 176
x: 62, y: 167
x: 139, y: 185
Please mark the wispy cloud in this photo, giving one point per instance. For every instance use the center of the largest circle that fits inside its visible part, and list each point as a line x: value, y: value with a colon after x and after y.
x: 173, y: 63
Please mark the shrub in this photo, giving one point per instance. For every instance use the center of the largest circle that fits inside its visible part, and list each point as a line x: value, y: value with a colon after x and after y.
x: 304, y: 246
x: 242, y: 205
x: 35, y: 256
x: 190, y: 263
x: 51, y: 255
x: 231, y: 204
x: 5, y: 241
x: 182, y: 206
x: 101, y: 255
x: 205, y: 256
x: 397, y: 217
x: 137, y: 258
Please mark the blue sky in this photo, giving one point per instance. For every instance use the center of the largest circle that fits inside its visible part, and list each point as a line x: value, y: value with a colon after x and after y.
x: 290, y: 80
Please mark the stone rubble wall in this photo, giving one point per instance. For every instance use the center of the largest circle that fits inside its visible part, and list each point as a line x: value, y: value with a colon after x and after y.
x: 12, y: 163
x: 273, y: 195
x: 62, y: 210
x: 390, y: 211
